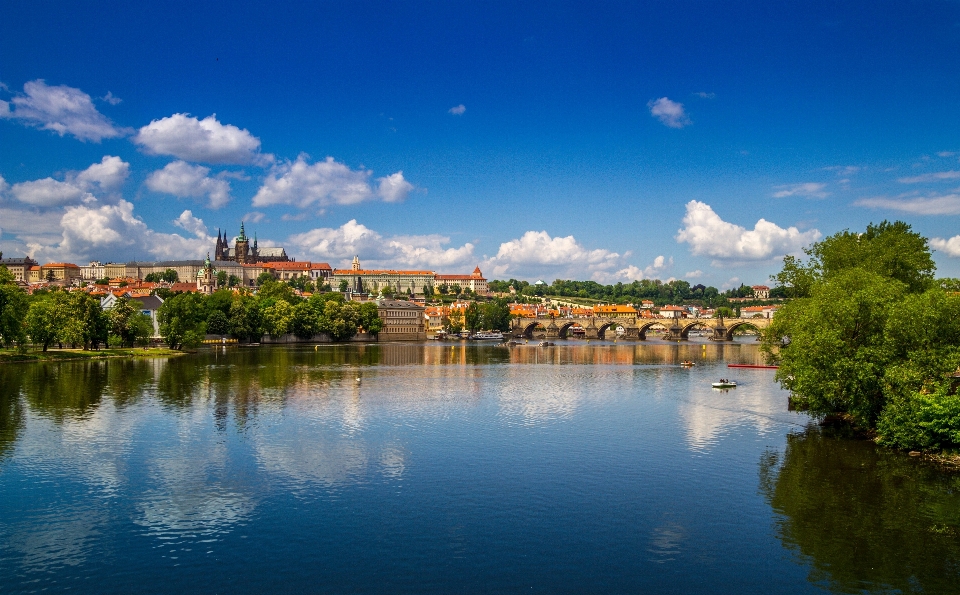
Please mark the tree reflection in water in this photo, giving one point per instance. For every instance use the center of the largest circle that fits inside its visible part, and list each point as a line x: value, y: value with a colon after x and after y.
x: 11, y: 409
x: 867, y: 519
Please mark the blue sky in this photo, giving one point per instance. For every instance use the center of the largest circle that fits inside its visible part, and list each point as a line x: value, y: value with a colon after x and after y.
x: 611, y: 142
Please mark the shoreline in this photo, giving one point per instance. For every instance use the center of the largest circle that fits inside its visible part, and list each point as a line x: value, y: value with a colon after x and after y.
x: 60, y: 355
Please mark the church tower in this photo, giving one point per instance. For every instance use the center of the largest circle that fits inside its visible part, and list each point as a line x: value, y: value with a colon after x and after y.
x: 218, y: 252
x: 242, y: 247
x: 207, y: 278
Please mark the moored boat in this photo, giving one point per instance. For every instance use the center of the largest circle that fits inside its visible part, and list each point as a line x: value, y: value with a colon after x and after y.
x: 487, y: 336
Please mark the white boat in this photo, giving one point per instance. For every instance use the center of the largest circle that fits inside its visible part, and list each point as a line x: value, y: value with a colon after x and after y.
x: 725, y: 384
x: 487, y: 336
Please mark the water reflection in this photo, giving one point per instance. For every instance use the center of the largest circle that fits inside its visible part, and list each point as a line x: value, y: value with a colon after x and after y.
x: 11, y: 408
x: 866, y: 519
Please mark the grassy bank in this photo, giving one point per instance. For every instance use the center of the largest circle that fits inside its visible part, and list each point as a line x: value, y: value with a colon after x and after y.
x: 11, y: 355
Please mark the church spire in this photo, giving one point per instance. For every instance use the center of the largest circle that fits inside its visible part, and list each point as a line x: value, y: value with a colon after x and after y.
x: 243, y: 236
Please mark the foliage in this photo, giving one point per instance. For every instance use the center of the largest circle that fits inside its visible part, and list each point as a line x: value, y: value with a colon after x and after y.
x: 277, y: 318
x: 246, y: 318
x: 343, y: 286
x: 42, y: 322
x: 183, y: 320
x: 473, y: 317
x: 169, y: 276
x: 496, y: 315
x: 218, y: 323
x: 873, y: 337
x: 13, y: 311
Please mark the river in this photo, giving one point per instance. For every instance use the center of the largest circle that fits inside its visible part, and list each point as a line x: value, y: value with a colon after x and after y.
x: 439, y: 468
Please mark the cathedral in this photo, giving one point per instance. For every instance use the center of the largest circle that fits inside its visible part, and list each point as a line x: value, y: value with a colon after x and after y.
x: 244, y: 253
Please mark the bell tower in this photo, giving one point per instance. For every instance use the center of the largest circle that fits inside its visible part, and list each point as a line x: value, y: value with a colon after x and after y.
x: 242, y: 247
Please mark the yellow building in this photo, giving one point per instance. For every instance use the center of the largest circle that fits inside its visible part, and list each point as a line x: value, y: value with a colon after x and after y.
x: 362, y: 280
x: 59, y: 272
x: 402, y: 321
x: 615, y: 311
x: 19, y: 267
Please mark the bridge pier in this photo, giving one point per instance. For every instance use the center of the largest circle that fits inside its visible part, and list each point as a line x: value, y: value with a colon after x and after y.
x: 590, y: 331
x: 719, y: 333
x: 553, y: 331
x: 631, y: 332
x: 675, y: 332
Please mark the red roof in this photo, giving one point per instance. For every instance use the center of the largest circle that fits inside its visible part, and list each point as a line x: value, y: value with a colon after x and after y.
x: 287, y: 266
x: 184, y: 287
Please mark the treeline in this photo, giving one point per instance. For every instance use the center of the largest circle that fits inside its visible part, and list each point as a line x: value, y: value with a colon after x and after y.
x: 492, y: 316
x: 73, y: 319
x: 872, y: 336
x: 185, y: 318
x: 659, y: 292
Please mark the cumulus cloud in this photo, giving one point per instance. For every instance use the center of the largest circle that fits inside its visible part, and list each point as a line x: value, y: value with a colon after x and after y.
x: 536, y: 253
x: 807, y: 189
x: 302, y: 184
x: 184, y: 180
x: 62, y: 109
x: 254, y: 216
x: 104, y: 177
x: 194, y: 225
x: 393, y: 188
x: 709, y: 235
x: 457, y: 110
x: 705, y: 95
x: 946, y: 154
x: 342, y: 243
x: 693, y: 274
x: 206, y: 141
x: 104, y: 229
x: 634, y: 273
x: 932, y: 177
x: 949, y: 246
x: 670, y: 113
x: 937, y: 204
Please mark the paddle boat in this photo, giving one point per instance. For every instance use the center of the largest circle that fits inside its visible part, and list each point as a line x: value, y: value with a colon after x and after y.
x: 725, y: 383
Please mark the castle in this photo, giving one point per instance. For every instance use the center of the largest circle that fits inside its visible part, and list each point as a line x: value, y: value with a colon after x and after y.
x: 244, y: 253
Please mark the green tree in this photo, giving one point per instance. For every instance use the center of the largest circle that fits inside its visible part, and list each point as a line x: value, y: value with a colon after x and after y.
x: 496, y: 315
x: 264, y: 277
x: 122, y: 321
x: 246, y: 318
x: 272, y: 291
x: 369, y: 318
x: 182, y: 320
x: 343, y: 286
x: 837, y: 352
x: 234, y: 281
x: 170, y: 276
x: 473, y: 317
x: 277, y: 318
x: 222, y: 278
x: 218, y: 323
x: 41, y: 323
x: 13, y: 310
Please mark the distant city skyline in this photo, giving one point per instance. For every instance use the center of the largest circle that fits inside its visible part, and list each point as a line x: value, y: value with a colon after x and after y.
x: 554, y: 140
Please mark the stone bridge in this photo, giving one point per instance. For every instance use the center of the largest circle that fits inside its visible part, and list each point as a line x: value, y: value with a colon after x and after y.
x: 721, y: 329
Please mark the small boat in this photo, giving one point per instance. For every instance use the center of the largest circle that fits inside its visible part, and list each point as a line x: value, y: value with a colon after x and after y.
x: 688, y: 364
x: 487, y: 336
x: 723, y: 383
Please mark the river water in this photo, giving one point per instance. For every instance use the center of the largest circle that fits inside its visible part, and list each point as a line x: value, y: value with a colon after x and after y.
x: 394, y: 468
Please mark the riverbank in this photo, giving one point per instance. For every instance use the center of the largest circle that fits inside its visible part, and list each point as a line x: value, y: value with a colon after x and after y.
x: 13, y: 356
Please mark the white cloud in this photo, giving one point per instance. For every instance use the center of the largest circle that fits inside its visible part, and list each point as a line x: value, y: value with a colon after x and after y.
x: 950, y: 246
x: 327, y: 182
x: 708, y: 235
x: 393, y: 188
x: 111, y: 99
x: 705, y: 95
x: 109, y: 174
x: 670, y: 113
x: 184, y: 180
x: 933, y: 177
x: 48, y: 193
x: 62, y: 109
x: 808, y: 189
x: 104, y: 177
x: 731, y: 283
x: 457, y: 110
x: 537, y: 254
x: 942, y: 204
x: 206, y: 141
x: 693, y: 274
x: 946, y: 154
x: 194, y: 225
x: 342, y: 243
x: 254, y: 216
x: 634, y: 273
x: 97, y: 230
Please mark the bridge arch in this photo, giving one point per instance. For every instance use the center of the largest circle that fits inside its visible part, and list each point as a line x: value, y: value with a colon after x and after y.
x: 729, y: 334
x: 527, y: 326
x: 685, y: 331
x: 564, y: 327
x: 643, y: 327
x: 602, y: 329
